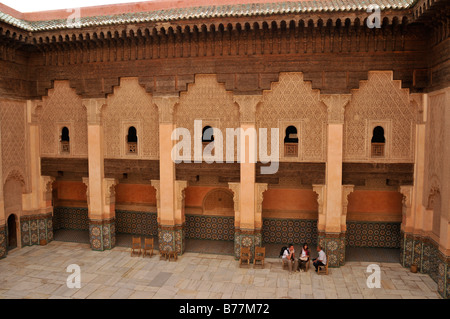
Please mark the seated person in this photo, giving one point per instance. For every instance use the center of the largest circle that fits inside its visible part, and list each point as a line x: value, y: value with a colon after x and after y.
x: 304, y: 258
x: 289, y: 257
x: 321, y: 260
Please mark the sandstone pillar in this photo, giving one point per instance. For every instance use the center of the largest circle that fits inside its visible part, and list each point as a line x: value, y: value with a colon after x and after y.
x: 36, y: 226
x: 248, y: 221
x: 169, y: 191
x: 100, y: 191
x: 332, y: 226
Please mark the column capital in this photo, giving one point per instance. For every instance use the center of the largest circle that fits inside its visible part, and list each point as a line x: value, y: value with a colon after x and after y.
x: 407, y: 192
x: 247, y: 107
x: 166, y: 107
x: 94, y: 110
x: 417, y: 100
x: 260, y: 188
x: 320, y: 190
x: 109, y: 189
x: 180, y: 186
x: 335, y: 106
x: 156, y: 184
x: 34, y: 108
x: 346, y: 190
x: 236, y: 189
x: 86, y: 182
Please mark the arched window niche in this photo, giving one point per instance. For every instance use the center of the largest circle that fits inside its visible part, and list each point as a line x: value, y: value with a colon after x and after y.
x: 132, y: 140
x: 65, y: 140
x: 207, y: 134
x: 378, y: 142
x: 291, y: 142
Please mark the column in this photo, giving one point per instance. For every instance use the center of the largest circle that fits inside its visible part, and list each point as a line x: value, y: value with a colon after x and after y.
x: 407, y: 254
x: 170, y: 224
x: 3, y: 232
x: 332, y: 233
x: 36, y: 202
x: 248, y: 222
x: 100, y: 191
x: 414, y: 217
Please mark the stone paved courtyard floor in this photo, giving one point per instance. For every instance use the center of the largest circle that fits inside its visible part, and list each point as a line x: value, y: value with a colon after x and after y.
x: 39, y: 272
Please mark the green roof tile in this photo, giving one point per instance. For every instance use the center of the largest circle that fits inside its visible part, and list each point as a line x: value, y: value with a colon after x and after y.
x: 211, y: 11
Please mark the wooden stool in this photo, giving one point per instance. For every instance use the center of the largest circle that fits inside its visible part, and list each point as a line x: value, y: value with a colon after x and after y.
x: 163, y: 254
x: 172, y: 254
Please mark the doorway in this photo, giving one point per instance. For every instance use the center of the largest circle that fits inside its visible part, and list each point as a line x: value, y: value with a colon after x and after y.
x: 12, y: 232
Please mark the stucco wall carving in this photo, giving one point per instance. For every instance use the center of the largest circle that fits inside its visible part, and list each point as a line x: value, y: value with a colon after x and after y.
x: 434, y: 146
x: 293, y: 99
x: 207, y: 100
x: 13, y: 140
x: 128, y: 106
x: 62, y: 107
x: 380, y: 101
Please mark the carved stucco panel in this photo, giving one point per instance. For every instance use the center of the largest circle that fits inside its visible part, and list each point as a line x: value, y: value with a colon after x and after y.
x: 62, y: 106
x: 293, y: 99
x: 207, y: 100
x: 13, y: 140
x: 130, y: 104
x: 380, y: 98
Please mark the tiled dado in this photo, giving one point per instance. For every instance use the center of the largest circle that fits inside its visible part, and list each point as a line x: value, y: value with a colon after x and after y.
x: 136, y: 223
x: 209, y: 227
x: 102, y: 234
x: 284, y: 231
x: 72, y: 218
x: 373, y: 234
x: 35, y: 228
x: 171, y: 238
x: 246, y: 238
x: 333, y: 244
x: 3, y: 240
x: 425, y: 254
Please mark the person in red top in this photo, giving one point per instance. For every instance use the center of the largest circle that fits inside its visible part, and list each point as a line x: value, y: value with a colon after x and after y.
x: 303, y: 259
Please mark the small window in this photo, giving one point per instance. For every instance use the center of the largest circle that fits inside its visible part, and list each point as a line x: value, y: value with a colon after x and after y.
x: 207, y: 134
x: 291, y: 142
x: 132, y: 140
x: 378, y: 142
x: 65, y: 140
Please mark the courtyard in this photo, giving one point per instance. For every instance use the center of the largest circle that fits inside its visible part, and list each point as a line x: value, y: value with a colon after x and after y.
x: 40, y: 272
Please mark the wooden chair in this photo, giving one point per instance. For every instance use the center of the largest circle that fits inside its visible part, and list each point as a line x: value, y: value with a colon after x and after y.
x: 260, y: 254
x: 323, y: 269
x: 172, y: 254
x: 148, y: 247
x: 245, y: 256
x: 136, y: 245
x: 163, y: 254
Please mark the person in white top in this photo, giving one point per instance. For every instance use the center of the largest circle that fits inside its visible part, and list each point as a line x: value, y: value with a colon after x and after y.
x: 321, y: 260
x: 289, y: 257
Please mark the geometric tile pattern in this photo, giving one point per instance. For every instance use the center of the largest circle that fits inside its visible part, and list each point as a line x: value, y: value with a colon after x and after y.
x: 171, y: 238
x: 209, y: 227
x: 334, y: 247
x: 136, y: 223
x: 3, y: 241
x: 246, y: 238
x: 102, y: 234
x: 285, y: 231
x: 36, y: 228
x: 373, y: 234
x: 72, y: 218
x: 424, y: 252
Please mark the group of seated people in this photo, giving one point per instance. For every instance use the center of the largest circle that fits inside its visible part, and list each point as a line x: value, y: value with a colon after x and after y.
x: 288, y: 256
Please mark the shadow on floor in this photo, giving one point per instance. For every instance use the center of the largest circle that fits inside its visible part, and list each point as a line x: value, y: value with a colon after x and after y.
x: 387, y: 255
